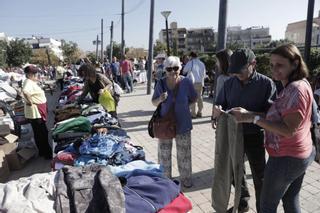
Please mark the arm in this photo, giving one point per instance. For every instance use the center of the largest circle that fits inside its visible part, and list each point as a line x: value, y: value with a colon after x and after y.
x: 159, y: 94
x: 85, y: 91
x: 27, y: 98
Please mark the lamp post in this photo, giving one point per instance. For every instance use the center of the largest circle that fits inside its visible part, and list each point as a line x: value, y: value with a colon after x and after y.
x: 166, y: 15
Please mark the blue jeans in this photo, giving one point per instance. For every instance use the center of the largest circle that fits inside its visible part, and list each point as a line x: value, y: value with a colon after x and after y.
x: 127, y: 78
x: 283, y: 178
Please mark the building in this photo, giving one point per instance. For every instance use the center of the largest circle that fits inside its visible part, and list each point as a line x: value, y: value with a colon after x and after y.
x: 177, y: 37
x: 296, y: 32
x: 182, y: 39
x: 40, y: 42
x: 251, y: 37
x: 201, y: 40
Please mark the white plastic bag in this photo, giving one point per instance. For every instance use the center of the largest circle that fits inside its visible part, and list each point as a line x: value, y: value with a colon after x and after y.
x: 117, y: 89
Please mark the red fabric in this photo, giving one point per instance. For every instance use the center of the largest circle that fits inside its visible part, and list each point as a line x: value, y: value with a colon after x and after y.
x: 65, y: 158
x: 126, y: 67
x: 43, y: 111
x: 179, y: 205
x: 71, y: 89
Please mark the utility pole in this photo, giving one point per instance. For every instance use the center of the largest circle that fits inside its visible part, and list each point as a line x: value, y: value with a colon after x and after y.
x: 222, y: 30
x: 307, y: 45
x: 111, y: 41
x: 150, y: 52
x: 101, y: 40
x: 97, y: 47
x: 122, y: 31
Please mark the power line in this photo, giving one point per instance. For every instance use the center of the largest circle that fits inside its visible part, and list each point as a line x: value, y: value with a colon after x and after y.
x: 58, y: 33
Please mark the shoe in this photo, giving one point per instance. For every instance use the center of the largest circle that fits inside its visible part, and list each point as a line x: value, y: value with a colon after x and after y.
x: 199, y: 114
x: 241, y: 209
x: 193, y: 116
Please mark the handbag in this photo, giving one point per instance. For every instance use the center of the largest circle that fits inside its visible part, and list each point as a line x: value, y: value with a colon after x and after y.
x: 163, y: 127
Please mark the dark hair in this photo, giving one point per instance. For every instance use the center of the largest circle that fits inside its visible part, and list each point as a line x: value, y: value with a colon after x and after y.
x: 224, y: 59
x: 193, y: 54
x: 87, y: 70
x: 292, y: 53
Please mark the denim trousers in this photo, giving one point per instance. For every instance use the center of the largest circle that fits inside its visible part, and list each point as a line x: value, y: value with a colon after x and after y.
x: 283, y: 178
x: 127, y: 78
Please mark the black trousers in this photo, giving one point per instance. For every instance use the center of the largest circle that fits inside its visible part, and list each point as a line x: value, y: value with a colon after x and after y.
x: 60, y: 82
x: 255, y: 152
x: 40, y: 133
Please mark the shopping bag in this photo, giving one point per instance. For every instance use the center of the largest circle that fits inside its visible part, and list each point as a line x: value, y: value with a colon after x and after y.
x: 107, y: 101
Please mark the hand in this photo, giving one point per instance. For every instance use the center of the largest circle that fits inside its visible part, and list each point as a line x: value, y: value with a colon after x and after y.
x: 100, y: 91
x: 163, y: 96
x: 214, y: 123
x: 242, y: 115
x: 216, y: 111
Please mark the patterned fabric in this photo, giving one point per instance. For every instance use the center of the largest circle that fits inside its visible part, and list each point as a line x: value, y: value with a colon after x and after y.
x: 183, y: 143
x: 295, y: 98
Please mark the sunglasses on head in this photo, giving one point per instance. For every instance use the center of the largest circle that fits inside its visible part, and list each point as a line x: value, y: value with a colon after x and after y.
x: 169, y: 69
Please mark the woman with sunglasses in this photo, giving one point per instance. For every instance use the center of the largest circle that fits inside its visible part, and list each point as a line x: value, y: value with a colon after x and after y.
x: 177, y: 87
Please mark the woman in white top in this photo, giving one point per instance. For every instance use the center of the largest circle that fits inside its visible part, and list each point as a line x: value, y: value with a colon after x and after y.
x: 35, y: 110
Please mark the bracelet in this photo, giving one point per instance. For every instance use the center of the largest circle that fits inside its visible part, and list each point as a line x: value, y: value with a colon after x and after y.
x: 256, y: 119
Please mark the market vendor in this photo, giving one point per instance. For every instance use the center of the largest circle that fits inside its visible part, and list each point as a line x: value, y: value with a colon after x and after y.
x: 35, y: 110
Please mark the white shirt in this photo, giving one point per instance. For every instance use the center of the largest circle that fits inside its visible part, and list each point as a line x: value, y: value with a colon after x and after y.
x: 197, y: 68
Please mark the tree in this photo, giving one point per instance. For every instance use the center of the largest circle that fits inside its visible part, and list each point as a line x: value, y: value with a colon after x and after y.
x: 263, y: 64
x: 314, y: 62
x: 3, y: 53
x: 40, y: 56
x: 18, y: 53
x: 209, y: 61
x: 116, y: 50
x: 71, y: 52
x: 159, y: 48
x: 92, y: 57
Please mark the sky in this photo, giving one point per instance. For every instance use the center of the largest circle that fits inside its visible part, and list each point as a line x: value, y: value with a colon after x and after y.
x: 79, y: 20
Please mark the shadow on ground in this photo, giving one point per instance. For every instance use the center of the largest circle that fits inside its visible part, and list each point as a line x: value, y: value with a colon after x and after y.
x: 135, y: 113
x: 201, y: 180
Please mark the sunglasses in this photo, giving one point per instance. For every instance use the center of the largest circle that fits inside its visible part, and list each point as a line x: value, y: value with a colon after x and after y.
x: 169, y: 69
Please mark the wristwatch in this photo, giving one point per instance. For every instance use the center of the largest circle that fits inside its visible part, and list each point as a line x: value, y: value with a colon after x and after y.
x: 256, y: 118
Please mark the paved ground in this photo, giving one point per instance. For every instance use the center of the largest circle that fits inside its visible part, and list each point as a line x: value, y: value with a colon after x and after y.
x: 135, y: 110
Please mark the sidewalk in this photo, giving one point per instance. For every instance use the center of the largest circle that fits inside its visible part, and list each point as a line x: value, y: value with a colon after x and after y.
x: 135, y: 110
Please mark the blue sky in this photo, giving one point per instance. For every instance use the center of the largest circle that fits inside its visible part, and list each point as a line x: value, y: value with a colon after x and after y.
x: 79, y: 21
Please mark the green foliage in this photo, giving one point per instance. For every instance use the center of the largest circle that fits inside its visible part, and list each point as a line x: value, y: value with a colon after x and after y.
x: 40, y: 56
x: 159, y: 48
x: 263, y: 64
x: 92, y: 57
x: 235, y: 45
x: 3, y: 53
x: 18, y: 53
x: 116, y: 50
x: 314, y: 63
x: 71, y: 52
x: 208, y: 60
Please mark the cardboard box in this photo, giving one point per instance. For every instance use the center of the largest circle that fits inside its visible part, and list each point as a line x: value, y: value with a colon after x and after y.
x: 4, y: 168
x: 17, y: 159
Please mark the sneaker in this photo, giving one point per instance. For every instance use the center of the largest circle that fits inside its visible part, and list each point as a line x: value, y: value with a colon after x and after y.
x: 242, y: 208
x: 199, y: 114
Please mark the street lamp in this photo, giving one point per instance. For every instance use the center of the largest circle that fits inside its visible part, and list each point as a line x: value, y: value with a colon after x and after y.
x: 166, y: 15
